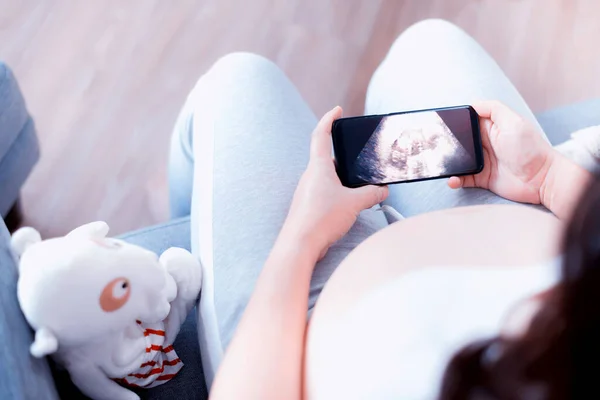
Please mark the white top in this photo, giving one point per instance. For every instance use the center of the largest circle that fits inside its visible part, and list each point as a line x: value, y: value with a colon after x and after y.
x: 397, y: 341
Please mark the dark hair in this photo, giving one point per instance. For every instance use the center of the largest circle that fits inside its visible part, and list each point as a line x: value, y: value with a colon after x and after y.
x: 558, y: 356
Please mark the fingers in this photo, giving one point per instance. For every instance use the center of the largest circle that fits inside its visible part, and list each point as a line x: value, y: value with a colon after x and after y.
x: 487, y: 108
x: 368, y: 196
x: 496, y: 111
x: 457, y: 182
x: 484, y: 108
x: 320, y: 145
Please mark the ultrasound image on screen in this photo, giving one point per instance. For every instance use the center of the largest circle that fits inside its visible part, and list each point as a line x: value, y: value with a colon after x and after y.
x: 414, y: 146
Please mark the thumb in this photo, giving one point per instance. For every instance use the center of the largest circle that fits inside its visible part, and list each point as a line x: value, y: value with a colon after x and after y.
x: 367, y: 196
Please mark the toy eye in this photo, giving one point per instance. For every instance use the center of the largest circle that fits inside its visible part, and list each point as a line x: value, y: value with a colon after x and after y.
x: 115, y: 294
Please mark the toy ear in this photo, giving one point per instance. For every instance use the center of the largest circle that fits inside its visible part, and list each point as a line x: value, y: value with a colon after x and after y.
x: 22, y: 239
x: 97, y: 229
x: 44, y: 343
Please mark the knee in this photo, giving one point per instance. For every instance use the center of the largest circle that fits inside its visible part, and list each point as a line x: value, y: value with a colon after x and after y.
x: 237, y: 72
x: 242, y: 60
x: 241, y: 65
x: 430, y: 32
x: 433, y: 28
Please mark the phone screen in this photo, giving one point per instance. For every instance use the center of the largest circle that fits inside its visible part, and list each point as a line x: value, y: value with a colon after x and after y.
x: 407, y: 147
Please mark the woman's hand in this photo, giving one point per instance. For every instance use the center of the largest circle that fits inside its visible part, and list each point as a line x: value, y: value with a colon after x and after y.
x: 323, y: 210
x: 516, y: 156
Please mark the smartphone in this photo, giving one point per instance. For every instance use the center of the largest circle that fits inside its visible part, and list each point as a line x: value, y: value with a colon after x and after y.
x: 407, y: 146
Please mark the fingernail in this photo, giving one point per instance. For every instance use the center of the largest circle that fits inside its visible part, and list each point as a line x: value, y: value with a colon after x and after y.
x: 382, y: 193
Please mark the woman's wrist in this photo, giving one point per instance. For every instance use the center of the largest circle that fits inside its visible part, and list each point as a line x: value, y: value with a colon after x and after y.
x: 563, y: 185
x: 293, y: 237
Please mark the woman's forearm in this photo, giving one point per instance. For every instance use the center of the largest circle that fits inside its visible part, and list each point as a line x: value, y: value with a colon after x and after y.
x: 264, y: 359
x: 564, y: 184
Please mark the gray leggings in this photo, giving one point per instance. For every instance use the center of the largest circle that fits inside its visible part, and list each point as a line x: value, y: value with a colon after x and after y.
x: 241, y: 143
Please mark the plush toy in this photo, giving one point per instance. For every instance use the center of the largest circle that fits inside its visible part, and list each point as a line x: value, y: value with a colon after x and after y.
x: 106, y: 310
x: 583, y: 148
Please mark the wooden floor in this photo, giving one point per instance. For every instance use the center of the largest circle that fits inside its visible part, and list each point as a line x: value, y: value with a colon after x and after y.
x: 104, y: 79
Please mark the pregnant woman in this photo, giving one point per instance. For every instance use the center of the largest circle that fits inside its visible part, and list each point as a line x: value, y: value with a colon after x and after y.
x: 488, y: 288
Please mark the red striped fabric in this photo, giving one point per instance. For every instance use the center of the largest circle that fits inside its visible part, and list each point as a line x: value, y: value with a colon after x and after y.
x: 167, y: 349
x: 148, y: 332
x: 155, y: 348
x: 148, y: 364
x: 166, y: 377
x: 149, y: 373
x: 172, y: 362
x: 160, y: 362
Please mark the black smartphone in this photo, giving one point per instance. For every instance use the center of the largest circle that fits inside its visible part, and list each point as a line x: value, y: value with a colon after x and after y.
x: 407, y: 146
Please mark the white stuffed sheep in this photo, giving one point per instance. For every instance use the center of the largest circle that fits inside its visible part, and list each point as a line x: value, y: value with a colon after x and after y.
x: 108, y: 311
x: 583, y: 148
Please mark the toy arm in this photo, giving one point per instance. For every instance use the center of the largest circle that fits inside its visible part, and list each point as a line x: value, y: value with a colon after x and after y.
x: 186, y: 272
x: 94, y: 383
x: 45, y: 343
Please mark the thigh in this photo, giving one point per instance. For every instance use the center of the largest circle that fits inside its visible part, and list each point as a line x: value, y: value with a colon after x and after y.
x: 251, y: 139
x: 436, y: 64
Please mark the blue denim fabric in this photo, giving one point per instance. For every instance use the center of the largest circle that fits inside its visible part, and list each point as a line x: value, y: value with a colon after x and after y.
x: 18, y: 143
x: 13, y: 113
x: 21, y: 376
x: 559, y: 123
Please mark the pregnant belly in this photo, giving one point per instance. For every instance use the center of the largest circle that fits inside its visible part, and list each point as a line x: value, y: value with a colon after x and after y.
x: 472, y: 237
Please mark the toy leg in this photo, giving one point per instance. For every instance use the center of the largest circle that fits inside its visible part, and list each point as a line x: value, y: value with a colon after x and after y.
x: 96, y: 385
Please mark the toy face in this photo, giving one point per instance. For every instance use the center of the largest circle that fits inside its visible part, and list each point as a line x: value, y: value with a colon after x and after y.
x: 81, y: 288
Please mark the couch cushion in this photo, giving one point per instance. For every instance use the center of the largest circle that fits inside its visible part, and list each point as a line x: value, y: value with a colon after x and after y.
x: 21, y: 375
x: 158, y: 238
x: 13, y: 113
x: 559, y: 123
x: 16, y: 165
